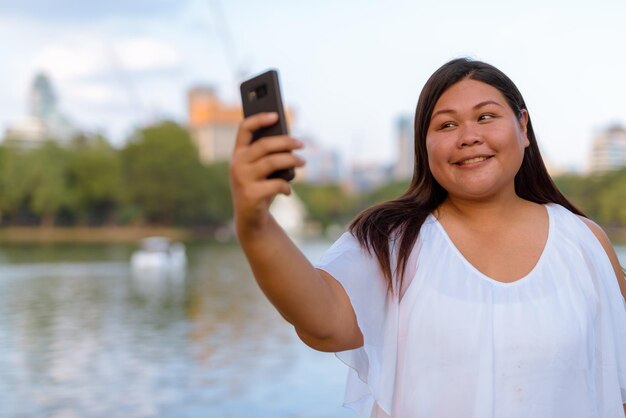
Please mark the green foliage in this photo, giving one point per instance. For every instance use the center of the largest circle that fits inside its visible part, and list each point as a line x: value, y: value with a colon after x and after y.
x: 96, y: 178
x: 601, y: 196
x: 326, y: 204
x: 49, y: 180
x: 163, y: 175
x: 219, y: 206
x: 612, y: 199
x: 36, y: 181
x: 14, y: 180
x: 156, y: 178
x: 386, y: 192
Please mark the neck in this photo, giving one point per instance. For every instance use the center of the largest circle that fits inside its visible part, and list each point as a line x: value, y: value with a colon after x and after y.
x: 482, y: 212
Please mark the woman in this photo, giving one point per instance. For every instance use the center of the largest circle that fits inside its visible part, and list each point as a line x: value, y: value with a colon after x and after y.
x: 481, y: 292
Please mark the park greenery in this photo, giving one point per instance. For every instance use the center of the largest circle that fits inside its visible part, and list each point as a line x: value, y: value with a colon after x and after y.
x: 157, y: 179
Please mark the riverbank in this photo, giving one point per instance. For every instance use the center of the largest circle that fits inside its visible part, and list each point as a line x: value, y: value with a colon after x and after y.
x: 114, y: 234
x: 132, y: 234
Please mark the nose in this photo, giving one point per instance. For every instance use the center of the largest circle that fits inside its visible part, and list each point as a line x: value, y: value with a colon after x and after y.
x: 468, y: 136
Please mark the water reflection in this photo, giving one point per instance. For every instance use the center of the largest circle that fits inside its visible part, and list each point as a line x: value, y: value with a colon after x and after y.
x: 80, y: 336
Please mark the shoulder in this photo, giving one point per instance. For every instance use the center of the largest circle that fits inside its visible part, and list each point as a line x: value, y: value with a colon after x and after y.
x: 345, y: 253
x: 608, y: 248
x: 600, y: 235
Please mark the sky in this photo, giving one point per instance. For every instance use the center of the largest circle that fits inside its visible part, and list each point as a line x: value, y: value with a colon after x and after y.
x: 349, y: 69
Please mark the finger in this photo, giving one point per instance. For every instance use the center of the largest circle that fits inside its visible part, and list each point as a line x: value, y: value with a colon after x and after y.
x: 266, y: 166
x: 243, y: 173
x: 251, y: 124
x: 268, y: 189
x: 271, y: 145
x: 263, y: 191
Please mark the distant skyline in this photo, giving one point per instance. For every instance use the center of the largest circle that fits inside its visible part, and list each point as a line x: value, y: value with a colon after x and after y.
x: 349, y: 69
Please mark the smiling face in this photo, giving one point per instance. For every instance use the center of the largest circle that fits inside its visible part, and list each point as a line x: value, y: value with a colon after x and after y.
x: 475, y: 141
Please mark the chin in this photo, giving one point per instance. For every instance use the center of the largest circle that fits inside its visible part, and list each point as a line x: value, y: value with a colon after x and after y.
x: 478, y: 193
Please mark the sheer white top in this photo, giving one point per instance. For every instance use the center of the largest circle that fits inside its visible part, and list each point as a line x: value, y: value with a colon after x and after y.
x: 458, y: 344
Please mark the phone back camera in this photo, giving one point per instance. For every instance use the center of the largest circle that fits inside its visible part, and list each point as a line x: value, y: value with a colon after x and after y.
x: 258, y: 93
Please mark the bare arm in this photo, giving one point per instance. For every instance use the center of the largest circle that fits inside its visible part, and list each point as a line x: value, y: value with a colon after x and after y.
x: 313, y: 301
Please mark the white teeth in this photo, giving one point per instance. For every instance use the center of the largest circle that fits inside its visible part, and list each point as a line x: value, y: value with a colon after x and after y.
x: 472, y: 160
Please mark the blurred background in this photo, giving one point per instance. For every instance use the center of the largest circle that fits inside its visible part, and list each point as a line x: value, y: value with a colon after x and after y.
x: 117, y: 120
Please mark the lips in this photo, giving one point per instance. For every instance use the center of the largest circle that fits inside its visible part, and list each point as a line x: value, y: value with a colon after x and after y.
x: 472, y: 160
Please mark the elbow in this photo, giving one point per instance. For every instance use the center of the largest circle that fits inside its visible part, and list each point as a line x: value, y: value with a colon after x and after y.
x: 331, y: 344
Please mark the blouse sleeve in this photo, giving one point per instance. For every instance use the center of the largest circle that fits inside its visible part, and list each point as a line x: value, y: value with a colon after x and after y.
x: 609, y: 325
x: 372, y: 367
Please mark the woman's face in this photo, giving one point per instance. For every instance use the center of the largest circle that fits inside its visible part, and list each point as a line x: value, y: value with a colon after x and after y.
x: 475, y: 142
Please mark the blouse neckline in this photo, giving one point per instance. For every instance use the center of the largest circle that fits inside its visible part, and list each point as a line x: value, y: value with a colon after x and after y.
x: 483, y: 276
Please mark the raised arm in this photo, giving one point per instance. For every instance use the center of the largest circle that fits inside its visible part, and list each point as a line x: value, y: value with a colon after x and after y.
x: 311, y: 300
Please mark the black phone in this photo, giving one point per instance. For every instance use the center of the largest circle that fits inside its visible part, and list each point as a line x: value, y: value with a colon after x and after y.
x: 262, y: 94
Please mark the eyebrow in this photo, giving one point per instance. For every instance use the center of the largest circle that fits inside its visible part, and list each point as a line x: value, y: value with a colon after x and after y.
x: 478, y: 106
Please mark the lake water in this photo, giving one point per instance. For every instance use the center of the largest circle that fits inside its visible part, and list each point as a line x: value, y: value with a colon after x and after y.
x: 80, y: 336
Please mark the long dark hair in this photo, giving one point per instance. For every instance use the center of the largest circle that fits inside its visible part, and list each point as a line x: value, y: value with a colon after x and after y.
x: 397, y: 223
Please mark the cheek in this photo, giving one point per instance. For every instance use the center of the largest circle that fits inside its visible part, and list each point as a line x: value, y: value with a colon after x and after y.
x: 437, y: 153
x: 433, y: 148
x: 436, y: 160
x: 430, y: 154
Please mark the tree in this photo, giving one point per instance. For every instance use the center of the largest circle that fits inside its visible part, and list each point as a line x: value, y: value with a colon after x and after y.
x: 36, y: 181
x: 96, y: 178
x: 326, y: 204
x: 163, y: 176
x: 612, y: 199
x: 383, y: 193
x: 219, y: 207
x: 49, y: 168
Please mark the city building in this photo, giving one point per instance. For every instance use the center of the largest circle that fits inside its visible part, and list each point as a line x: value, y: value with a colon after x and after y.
x: 405, y: 157
x: 609, y: 150
x: 366, y: 176
x: 322, y: 165
x: 44, y: 121
x: 212, y: 124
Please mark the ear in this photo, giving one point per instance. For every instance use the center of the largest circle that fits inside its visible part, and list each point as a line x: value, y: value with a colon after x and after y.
x: 523, y: 124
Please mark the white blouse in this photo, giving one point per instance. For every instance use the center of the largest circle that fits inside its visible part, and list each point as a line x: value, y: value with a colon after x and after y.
x: 458, y: 344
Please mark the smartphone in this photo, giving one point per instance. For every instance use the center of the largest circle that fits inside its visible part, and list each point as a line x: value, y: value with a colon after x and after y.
x: 262, y: 94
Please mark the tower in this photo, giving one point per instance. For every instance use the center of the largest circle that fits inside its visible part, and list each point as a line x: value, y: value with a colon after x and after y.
x: 609, y: 150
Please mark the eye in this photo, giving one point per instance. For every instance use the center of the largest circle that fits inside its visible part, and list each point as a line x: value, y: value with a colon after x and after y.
x: 486, y: 116
x: 446, y: 125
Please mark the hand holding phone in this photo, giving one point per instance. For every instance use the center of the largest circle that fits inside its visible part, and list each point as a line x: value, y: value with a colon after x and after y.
x: 262, y: 94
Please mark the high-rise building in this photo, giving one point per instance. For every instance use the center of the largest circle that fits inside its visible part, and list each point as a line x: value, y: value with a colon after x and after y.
x: 44, y: 122
x: 43, y: 99
x: 609, y: 150
x: 403, y: 169
x: 322, y: 165
x: 213, y: 124
x: 368, y: 175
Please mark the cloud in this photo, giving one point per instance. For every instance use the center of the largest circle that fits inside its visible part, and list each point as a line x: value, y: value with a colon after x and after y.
x: 71, y: 61
x: 145, y: 54
x: 95, y: 94
x: 89, y: 11
x: 94, y: 59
